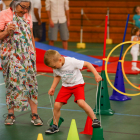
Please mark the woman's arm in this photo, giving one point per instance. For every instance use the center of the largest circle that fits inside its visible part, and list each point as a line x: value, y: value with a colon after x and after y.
x: 9, y: 29
x: 3, y: 34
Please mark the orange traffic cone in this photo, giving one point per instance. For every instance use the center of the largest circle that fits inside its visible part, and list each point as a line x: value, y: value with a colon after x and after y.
x: 88, y: 127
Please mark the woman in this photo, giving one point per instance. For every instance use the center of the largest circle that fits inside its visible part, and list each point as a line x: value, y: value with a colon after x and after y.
x: 2, y: 7
x: 19, y: 60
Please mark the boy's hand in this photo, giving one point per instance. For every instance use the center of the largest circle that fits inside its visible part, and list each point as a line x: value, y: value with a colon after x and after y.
x: 98, y: 78
x: 51, y: 91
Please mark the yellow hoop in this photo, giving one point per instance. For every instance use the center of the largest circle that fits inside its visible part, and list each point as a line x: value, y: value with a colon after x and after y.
x: 123, y: 66
x: 106, y: 59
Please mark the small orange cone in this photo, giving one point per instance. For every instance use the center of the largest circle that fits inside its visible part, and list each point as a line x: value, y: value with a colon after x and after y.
x: 88, y: 127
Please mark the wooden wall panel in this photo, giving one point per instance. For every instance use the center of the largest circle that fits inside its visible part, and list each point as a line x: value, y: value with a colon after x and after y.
x: 95, y: 10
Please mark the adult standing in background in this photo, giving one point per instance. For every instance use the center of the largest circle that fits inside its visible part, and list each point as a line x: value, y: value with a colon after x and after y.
x: 19, y: 60
x: 58, y: 14
x: 36, y: 18
x: 2, y: 5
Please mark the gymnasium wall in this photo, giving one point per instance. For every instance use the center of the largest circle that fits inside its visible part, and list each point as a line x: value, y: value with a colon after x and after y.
x: 94, y: 19
x: 96, y: 10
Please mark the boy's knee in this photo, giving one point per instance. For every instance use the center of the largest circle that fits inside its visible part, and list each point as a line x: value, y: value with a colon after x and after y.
x: 81, y: 103
x: 57, y: 105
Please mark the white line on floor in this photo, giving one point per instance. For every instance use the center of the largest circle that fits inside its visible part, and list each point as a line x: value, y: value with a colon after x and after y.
x: 40, y: 74
x: 82, y: 51
x: 2, y: 84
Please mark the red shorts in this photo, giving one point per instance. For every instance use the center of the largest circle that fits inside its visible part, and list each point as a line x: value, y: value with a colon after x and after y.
x: 66, y: 92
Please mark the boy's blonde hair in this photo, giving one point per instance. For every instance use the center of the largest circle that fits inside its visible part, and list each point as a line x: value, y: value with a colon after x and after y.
x: 51, y: 56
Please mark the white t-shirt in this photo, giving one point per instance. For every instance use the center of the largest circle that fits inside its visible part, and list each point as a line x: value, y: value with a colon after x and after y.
x: 57, y: 10
x: 70, y: 72
x: 135, y: 48
x: 35, y: 4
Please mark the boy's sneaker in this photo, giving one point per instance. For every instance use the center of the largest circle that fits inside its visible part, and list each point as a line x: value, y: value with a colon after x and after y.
x: 96, y: 123
x: 53, y: 129
x: 36, y: 120
x: 10, y: 119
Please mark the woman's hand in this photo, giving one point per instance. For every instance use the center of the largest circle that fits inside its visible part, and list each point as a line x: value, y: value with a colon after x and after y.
x: 51, y: 91
x: 10, y: 28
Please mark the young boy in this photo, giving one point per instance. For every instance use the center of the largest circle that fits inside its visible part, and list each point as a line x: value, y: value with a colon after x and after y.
x: 68, y: 70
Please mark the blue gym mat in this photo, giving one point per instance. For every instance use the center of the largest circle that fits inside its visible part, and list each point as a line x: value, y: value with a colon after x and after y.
x: 92, y: 60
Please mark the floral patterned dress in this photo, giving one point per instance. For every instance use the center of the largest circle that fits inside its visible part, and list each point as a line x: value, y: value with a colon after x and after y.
x: 19, y: 66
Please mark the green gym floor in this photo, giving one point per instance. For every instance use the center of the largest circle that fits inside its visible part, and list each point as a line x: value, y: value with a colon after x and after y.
x: 123, y: 125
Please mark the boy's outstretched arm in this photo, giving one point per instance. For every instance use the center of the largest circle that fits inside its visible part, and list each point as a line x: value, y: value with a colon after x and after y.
x: 98, y: 78
x: 54, y: 85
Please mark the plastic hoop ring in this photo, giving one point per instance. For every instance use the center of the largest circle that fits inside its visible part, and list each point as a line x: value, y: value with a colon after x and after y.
x: 123, y: 66
x: 106, y: 59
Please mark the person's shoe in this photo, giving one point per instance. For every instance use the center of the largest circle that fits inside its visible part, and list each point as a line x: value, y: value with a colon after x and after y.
x: 135, y: 69
x: 53, y: 129
x: 10, y: 119
x: 36, y: 120
x: 96, y: 123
